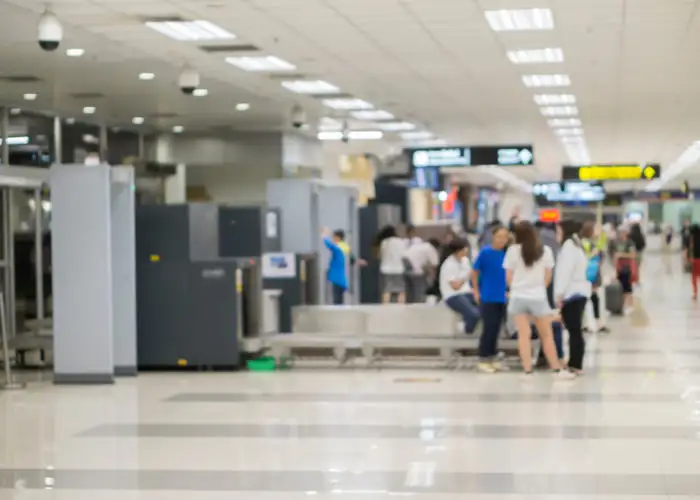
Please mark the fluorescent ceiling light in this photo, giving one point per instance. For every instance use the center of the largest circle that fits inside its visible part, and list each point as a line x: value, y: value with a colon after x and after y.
x: 200, y: 92
x: 30, y: 97
x: 554, y: 99
x: 70, y: 121
x: 559, y: 111
x: 546, y: 80
x: 564, y: 122
x: 193, y: 31
x: 329, y: 124
x: 536, y: 56
x: 15, y: 111
x: 416, y: 136
x: 687, y: 159
x: 347, y: 104
x: 146, y: 76
x: 264, y: 63
x: 354, y: 135
x: 242, y: 106
x: 178, y: 129
x: 17, y: 141
x: 572, y: 139
x: 373, y: 114
x: 137, y: 120
x: 89, y: 110
x: 75, y: 52
x: 396, y: 126
x: 568, y: 131
x: 520, y: 19
x: 310, y: 87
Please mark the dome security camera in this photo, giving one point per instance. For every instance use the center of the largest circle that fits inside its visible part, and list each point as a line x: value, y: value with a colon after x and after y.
x: 50, y: 31
x: 188, y: 81
x: 298, y: 116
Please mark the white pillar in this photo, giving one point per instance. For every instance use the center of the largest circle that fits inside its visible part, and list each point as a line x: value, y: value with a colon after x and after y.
x: 175, y: 188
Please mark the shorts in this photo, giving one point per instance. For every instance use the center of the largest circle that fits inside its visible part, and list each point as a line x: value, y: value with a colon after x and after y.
x: 393, y: 283
x: 537, y: 308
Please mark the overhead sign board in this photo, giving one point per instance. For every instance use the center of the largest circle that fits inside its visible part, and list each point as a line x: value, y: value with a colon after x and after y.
x: 627, y: 172
x: 461, y: 156
x: 568, y: 192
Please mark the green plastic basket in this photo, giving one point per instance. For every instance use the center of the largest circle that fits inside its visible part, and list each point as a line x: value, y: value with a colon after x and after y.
x: 264, y: 364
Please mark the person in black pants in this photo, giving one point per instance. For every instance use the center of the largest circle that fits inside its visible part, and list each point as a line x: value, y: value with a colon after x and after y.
x: 489, y: 289
x: 572, y: 290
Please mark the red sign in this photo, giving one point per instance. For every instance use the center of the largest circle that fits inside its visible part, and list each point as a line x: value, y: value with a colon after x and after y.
x: 550, y: 215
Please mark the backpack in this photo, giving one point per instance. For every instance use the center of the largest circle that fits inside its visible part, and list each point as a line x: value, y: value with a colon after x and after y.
x: 593, y: 268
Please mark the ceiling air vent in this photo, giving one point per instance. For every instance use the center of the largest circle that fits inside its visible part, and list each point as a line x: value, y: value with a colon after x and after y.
x: 87, y: 95
x: 289, y: 76
x: 342, y: 95
x: 226, y: 49
x: 19, y: 79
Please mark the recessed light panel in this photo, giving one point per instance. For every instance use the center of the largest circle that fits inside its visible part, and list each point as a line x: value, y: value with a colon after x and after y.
x: 242, y: 106
x: 329, y: 124
x: 573, y: 140
x: 200, y: 92
x: 546, y: 80
x: 396, y: 126
x: 75, y: 52
x: 146, y: 76
x: 192, y: 31
x: 178, y: 129
x: 137, y: 120
x: 261, y: 64
x: 564, y: 122
x: 373, y: 114
x: 356, y: 135
x: 30, y: 97
x: 559, y: 111
x: 89, y: 110
x: 554, y: 99
x: 537, y: 56
x: 316, y: 87
x: 347, y: 104
x: 520, y: 19
x: 416, y: 136
x: 571, y: 132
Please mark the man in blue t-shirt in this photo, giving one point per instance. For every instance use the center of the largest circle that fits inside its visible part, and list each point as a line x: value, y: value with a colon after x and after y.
x: 489, y: 285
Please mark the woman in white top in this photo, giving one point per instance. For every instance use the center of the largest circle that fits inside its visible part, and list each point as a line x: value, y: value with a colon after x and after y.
x: 392, y: 267
x: 528, y: 266
x: 572, y: 288
x: 455, y: 286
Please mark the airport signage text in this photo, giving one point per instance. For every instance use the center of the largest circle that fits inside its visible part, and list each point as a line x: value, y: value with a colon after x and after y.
x: 461, y: 156
x: 569, y: 192
x: 626, y: 172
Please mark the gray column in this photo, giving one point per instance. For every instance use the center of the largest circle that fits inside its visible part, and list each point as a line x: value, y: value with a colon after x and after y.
x: 57, y: 140
x: 8, y: 256
x: 5, y: 125
x: 141, y: 146
x: 104, y: 147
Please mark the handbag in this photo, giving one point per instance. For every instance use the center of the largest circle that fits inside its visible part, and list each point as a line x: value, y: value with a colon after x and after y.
x: 593, y: 268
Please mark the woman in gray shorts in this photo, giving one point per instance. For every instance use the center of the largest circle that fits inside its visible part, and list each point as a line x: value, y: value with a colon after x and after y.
x: 528, y: 266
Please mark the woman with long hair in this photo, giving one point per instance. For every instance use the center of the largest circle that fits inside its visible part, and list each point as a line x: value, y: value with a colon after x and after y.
x: 572, y: 288
x: 529, y: 266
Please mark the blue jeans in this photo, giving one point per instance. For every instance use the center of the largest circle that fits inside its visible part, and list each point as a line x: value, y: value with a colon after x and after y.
x: 465, y: 305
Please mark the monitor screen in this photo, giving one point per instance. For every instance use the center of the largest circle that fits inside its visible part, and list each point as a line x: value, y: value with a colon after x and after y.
x: 426, y: 178
x: 569, y: 192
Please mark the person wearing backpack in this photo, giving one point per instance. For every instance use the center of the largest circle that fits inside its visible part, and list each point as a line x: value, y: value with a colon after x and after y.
x: 594, y: 253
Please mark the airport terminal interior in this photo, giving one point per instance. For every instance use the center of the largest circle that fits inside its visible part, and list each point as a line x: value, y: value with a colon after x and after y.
x: 361, y: 249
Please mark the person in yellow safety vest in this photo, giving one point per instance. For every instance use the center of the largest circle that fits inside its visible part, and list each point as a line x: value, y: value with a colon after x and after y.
x: 594, y: 242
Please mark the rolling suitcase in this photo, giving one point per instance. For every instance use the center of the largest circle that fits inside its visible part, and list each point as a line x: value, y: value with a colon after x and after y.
x: 614, y: 299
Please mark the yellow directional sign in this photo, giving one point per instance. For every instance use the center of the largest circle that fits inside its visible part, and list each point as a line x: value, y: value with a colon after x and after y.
x: 628, y: 172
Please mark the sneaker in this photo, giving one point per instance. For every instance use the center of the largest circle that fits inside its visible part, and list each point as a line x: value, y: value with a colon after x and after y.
x: 485, y: 367
x: 564, y: 375
x: 603, y: 329
x: 499, y: 367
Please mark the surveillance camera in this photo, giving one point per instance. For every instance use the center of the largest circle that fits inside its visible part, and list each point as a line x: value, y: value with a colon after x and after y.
x: 298, y: 116
x: 50, y: 32
x: 189, y: 81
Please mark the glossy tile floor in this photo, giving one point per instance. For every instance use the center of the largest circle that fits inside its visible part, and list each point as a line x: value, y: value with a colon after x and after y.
x: 629, y: 430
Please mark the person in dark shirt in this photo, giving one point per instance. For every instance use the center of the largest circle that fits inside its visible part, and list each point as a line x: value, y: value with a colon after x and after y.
x: 685, y: 235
